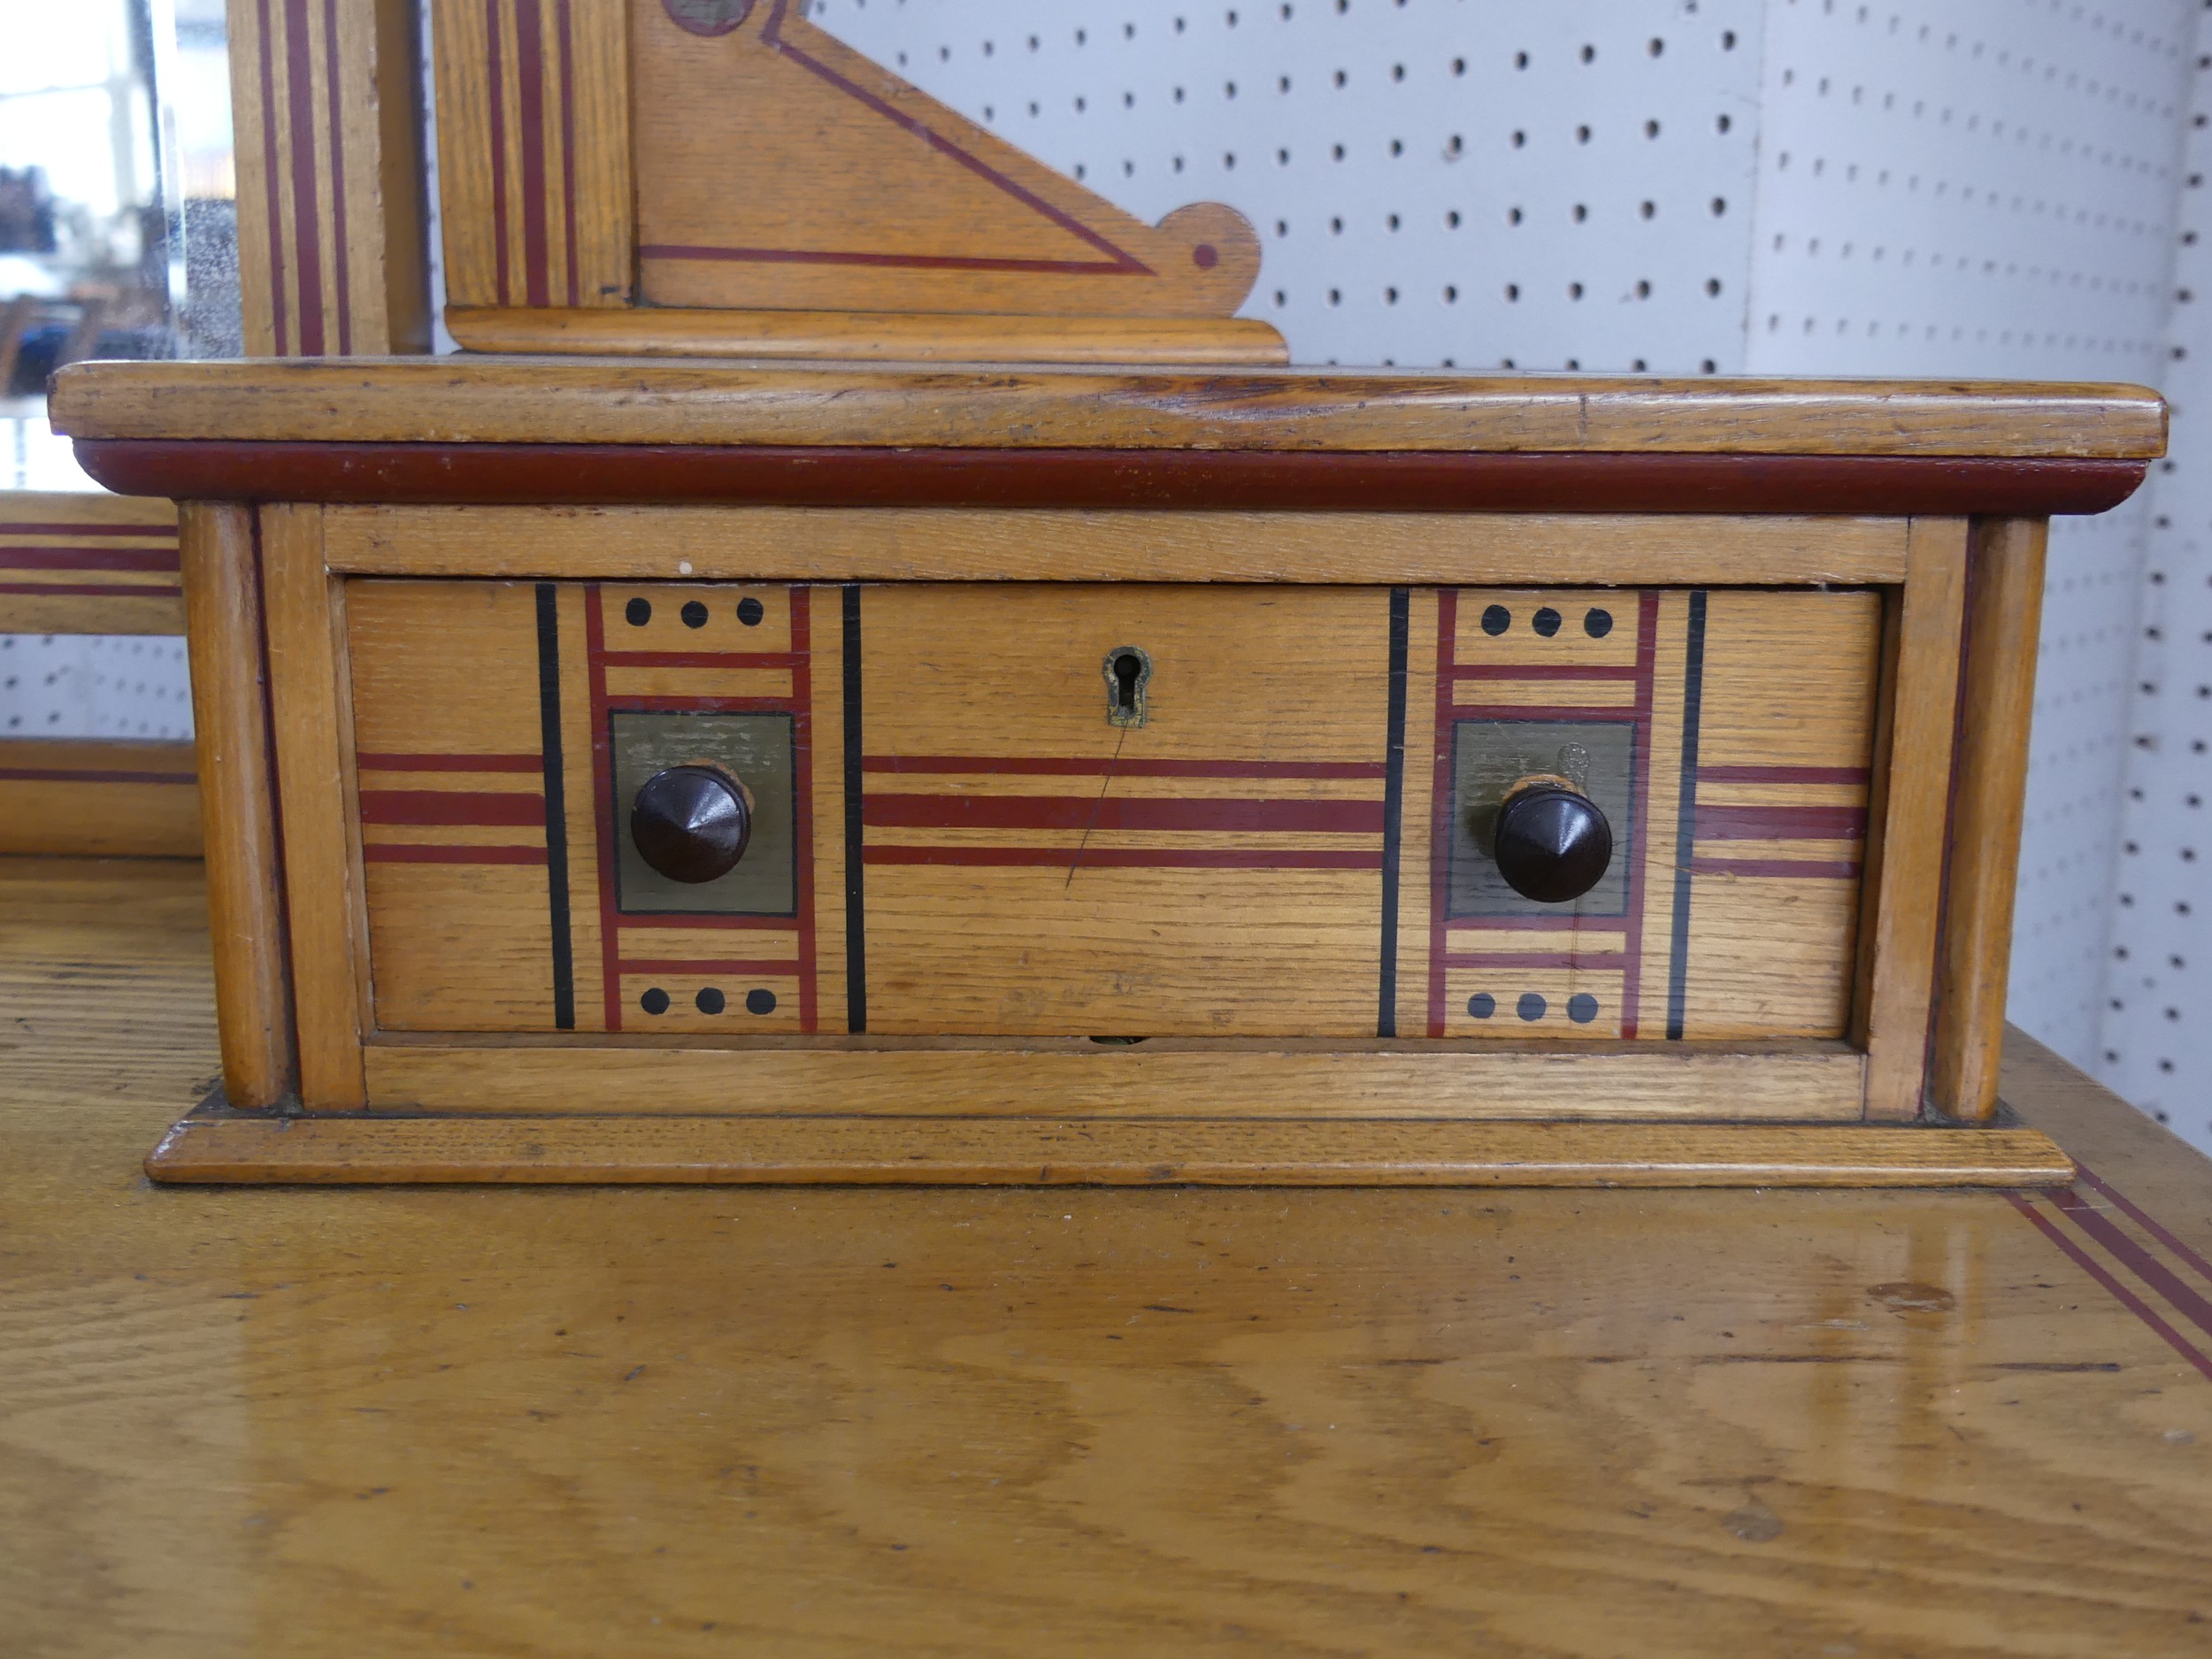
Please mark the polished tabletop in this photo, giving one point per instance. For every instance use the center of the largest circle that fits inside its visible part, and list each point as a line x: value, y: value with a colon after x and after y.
x: 840, y: 1421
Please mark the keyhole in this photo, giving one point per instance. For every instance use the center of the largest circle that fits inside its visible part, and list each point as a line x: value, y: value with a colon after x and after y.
x: 1127, y: 670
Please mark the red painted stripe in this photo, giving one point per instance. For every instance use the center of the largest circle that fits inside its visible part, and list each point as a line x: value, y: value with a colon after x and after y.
x: 307, y: 243
x: 1783, y: 774
x: 87, y: 558
x: 530, y: 101
x: 450, y: 806
x: 1440, y: 804
x: 166, y: 531
x: 2119, y: 1292
x: 1780, y: 822
x: 568, y: 155
x: 1777, y: 868
x: 415, y: 853
x: 893, y: 261
x: 1601, y: 961
x: 2149, y: 1224
x: 1128, y: 812
x: 1543, y: 670
x: 272, y: 179
x: 708, y: 965
x: 1646, y: 693
x: 2186, y: 1299
x: 338, y: 241
x: 448, y: 763
x: 1130, y: 858
x: 1058, y: 767
x: 699, y: 659
x: 90, y: 774
x: 772, y: 36
x: 99, y: 590
x: 495, y: 95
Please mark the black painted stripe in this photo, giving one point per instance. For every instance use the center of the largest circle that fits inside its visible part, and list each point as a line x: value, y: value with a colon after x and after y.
x: 556, y: 806
x: 1393, y: 811
x: 855, y: 898
x: 1685, y: 828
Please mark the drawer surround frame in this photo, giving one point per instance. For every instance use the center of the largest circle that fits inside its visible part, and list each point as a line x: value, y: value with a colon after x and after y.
x: 1929, y: 983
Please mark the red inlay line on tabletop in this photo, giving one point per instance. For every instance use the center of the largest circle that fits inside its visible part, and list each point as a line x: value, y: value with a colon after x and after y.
x: 2119, y: 1292
x: 2149, y: 1225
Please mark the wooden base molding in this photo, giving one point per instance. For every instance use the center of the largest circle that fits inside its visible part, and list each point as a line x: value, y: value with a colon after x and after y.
x: 98, y: 799
x: 216, y: 1145
x: 868, y: 336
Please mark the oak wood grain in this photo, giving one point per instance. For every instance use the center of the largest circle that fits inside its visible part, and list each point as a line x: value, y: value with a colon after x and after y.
x: 658, y: 401
x: 966, y: 544
x: 85, y: 562
x: 232, y: 734
x: 1915, y: 764
x: 98, y: 798
x: 861, y: 337
x: 324, y: 916
x: 1210, y: 1421
x: 1269, y: 1085
x: 1997, y: 697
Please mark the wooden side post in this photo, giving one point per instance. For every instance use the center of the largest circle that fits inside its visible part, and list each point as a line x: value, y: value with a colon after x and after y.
x: 331, y: 242
x: 1905, y: 874
x: 230, y: 715
x: 2004, y: 609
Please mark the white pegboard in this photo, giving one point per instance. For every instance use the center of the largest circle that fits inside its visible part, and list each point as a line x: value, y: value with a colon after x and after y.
x: 2155, y: 1045
x: 89, y: 686
x: 1989, y: 187
x: 1471, y: 182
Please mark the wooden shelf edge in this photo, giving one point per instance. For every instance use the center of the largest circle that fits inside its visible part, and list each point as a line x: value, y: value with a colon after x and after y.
x: 215, y: 1146
x: 870, y: 336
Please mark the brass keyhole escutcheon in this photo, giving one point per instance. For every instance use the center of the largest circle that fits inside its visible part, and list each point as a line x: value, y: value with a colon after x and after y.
x: 1128, y: 671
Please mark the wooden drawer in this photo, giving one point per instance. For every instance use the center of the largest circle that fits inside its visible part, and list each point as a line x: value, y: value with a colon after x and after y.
x: 960, y: 829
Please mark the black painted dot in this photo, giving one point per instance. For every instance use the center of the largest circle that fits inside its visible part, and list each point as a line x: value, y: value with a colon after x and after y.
x: 1482, y: 1004
x: 693, y: 613
x: 1496, y: 620
x: 1582, y: 1007
x: 1598, y: 624
x: 760, y: 1001
x: 1545, y: 622
x: 750, y: 612
x: 1531, y: 1006
x: 653, y: 1002
x: 710, y: 1001
x: 638, y: 612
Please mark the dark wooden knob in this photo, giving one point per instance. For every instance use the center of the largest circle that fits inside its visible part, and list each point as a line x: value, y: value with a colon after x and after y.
x: 1553, y: 844
x: 690, y: 822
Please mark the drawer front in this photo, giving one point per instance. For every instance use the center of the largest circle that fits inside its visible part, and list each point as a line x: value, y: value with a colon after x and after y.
x: 1109, y: 810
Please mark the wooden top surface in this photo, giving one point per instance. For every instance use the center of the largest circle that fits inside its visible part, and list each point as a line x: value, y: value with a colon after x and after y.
x: 661, y: 401
x: 842, y: 1422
